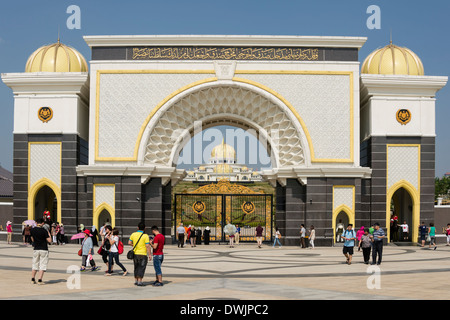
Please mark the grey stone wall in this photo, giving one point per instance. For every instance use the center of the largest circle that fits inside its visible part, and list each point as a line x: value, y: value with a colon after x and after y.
x: 71, y: 157
x: 373, y: 154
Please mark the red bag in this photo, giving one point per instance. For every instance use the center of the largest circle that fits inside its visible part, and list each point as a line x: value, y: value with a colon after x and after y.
x: 80, y: 252
x: 120, y: 247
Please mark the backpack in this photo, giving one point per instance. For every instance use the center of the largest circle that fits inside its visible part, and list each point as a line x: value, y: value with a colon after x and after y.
x: 120, y: 247
x: 347, y: 232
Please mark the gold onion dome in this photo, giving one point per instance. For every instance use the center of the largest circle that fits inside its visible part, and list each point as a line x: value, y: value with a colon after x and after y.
x: 56, y: 57
x: 223, y: 151
x: 393, y: 60
x: 223, y: 168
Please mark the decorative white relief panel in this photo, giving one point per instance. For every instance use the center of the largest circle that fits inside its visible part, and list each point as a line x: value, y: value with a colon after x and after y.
x: 221, y: 102
x: 125, y: 102
x: 343, y: 196
x: 45, y: 162
x: 104, y: 193
x: 403, y: 164
x: 323, y: 102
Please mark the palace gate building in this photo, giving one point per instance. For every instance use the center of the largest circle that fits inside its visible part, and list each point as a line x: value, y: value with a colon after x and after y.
x: 99, y: 141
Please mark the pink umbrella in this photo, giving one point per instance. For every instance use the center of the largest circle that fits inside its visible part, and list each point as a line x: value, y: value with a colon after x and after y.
x: 31, y: 223
x: 78, y: 236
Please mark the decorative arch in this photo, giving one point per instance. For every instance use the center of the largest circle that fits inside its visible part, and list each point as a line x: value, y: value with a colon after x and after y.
x: 224, y: 102
x: 415, y: 197
x: 350, y: 214
x: 98, y: 211
x: 33, y: 191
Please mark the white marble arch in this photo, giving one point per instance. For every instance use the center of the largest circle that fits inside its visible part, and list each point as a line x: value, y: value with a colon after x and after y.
x: 225, y: 102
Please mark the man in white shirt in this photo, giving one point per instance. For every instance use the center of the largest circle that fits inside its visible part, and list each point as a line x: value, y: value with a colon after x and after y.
x: 405, y: 231
x: 181, y: 231
x: 302, y: 235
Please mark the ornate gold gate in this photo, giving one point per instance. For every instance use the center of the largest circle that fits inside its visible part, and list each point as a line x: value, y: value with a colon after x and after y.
x: 215, y: 205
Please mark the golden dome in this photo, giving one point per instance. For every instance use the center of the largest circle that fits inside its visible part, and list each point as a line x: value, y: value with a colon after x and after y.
x: 56, y: 57
x: 393, y: 60
x: 223, y: 151
x: 223, y: 168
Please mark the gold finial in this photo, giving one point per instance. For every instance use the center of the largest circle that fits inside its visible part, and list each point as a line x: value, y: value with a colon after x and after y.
x: 390, y: 42
x: 59, y: 35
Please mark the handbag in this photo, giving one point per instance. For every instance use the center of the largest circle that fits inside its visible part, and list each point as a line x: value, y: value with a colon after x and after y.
x: 130, y: 254
x: 80, y: 252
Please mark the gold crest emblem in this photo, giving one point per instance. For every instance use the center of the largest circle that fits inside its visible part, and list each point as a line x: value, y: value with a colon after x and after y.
x: 403, y: 116
x: 199, y: 207
x: 45, y: 114
x: 248, y: 207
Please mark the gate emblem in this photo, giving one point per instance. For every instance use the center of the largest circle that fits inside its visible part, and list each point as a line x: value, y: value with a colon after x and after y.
x: 199, y: 207
x: 403, y: 116
x: 248, y: 207
x: 45, y: 114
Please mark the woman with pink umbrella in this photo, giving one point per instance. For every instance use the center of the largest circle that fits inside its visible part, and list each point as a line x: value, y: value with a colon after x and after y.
x: 87, y: 251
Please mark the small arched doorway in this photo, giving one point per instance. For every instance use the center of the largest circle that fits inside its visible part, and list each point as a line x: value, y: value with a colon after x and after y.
x: 341, y: 222
x: 104, y: 218
x: 104, y: 214
x: 46, y: 199
x: 401, y: 214
x: 403, y: 199
x: 44, y: 194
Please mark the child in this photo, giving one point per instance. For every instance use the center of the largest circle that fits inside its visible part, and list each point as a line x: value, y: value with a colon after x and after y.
x: 405, y: 231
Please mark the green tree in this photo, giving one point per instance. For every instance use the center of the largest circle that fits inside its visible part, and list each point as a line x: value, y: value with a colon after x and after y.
x: 442, y: 186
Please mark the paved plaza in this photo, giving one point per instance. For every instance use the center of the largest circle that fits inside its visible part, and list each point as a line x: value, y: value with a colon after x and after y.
x: 244, y: 272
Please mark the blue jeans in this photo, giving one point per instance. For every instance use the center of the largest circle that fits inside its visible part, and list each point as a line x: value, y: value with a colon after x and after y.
x: 115, y: 256
x: 157, y: 262
x: 275, y: 241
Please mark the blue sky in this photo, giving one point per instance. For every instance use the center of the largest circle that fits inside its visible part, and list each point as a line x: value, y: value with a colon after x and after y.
x: 420, y: 25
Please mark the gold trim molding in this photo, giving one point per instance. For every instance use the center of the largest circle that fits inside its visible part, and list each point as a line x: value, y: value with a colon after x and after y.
x: 224, y: 186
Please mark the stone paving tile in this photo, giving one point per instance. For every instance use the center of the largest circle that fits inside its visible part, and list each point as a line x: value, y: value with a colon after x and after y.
x: 245, y: 272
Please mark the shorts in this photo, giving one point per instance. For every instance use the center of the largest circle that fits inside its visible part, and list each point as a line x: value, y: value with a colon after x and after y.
x: 40, y: 260
x: 423, y: 237
x: 348, y: 250
x: 140, y: 264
